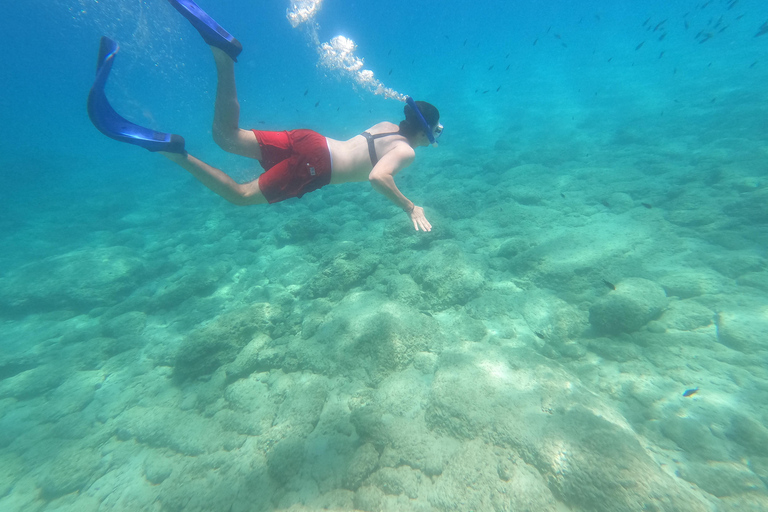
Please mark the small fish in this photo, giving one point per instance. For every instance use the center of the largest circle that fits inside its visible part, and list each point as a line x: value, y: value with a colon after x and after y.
x: 605, y: 203
x: 639, y: 46
x: 661, y: 54
x: 558, y: 36
x: 486, y: 91
x: 262, y: 122
x: 535, y: 41
x: 507, y: 68
x: 753, y: 64
x: 647, y: 205
x: 763, y: 30
x: 562, y: 195
x: 389, y: 52
x: 706, y: 37
x: 610, y: 59
x: 462, y: 66
x: 337, y: 109
x: 657, y: 27
x: 646, y: 21
x: 733, y: 4
x: 540, y: 335
x: 690, y: 392
x: 687, y: 25
x: 705, y: 5
x: 662, y: 36
x: 609, y: 284
x: 390, y: 72
x: 316, y: 104
x: 490, y: 67
x: 465, y: 43
x: 306, y: 92
x: 497, y: 89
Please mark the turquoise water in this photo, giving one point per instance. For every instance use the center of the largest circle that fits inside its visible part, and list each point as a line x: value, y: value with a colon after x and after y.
x: 598, y: 252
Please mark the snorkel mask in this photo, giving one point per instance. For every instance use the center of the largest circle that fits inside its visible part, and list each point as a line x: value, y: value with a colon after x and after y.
x: 433, y: 132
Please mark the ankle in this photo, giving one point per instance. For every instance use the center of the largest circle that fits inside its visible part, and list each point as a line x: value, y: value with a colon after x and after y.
x: 221, y: 57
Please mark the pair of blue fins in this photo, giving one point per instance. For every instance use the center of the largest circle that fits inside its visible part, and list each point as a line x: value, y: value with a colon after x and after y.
x: 112, y: 124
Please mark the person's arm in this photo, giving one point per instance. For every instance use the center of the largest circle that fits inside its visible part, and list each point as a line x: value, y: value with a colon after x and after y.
x: 382, y: 179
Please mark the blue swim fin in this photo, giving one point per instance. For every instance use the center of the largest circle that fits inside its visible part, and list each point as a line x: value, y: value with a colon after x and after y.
x: 112, y: 124
x: 212, y: 32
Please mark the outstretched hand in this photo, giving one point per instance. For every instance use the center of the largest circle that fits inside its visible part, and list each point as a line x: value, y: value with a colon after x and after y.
x: 419, y: 220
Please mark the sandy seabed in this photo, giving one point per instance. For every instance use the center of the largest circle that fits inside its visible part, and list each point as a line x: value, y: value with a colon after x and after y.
x: 530, y: 353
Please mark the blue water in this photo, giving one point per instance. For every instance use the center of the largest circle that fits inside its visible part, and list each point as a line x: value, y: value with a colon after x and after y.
x: 598, y: 200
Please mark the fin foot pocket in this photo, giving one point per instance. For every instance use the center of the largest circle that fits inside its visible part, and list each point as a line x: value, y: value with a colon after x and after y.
x: 112, y: 124
x: 212, y: 32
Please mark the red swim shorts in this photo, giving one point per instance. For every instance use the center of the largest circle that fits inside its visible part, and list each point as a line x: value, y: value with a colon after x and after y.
x: 295, y: 162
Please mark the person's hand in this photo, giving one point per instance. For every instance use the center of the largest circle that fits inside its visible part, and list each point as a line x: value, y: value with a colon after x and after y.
x: 419, y: 220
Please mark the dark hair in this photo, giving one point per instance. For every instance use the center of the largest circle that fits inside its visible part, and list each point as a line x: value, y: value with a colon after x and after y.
x: 411, y: 126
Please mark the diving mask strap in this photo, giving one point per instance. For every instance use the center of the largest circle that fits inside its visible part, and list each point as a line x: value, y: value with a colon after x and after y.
x: 424, y: 123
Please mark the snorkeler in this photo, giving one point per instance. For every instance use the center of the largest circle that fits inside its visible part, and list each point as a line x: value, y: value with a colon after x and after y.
x: 295, y: 162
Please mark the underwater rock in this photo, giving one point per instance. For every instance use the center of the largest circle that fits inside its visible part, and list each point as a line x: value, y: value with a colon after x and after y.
x: 298, y: 231
x: 396, y: 481
x: 132, y: 322
x: 78, y: 280
x: 303, y: 398
x: 620, y: 202
x: 743, y: 330
x: 687, y: 315
x: 363, y: 463
x: 402, y: 288
x: 370, y: 337
x: 484, y: 477
x: 157, y: 468
x: 340, y: 273
x: 692, y: 283
x: 614, y: 350
x: 551, y: 318
x: 748, y: 433
x: 285, y: 458
x: 249, y: 359
x: 190, y: 281
x: 184, y: 432
x: 447, y: 278
x: 734, y: 263
x: 219, y: 342
x: 369, y: 498
x: 31, y: 383
x: 634, y: 303
x: 513, y: 246
x: 70, y: 471
x: 757, y: 280
x: 586, y: 452
x: 335, y: 500
x: 694, y: 437
x: 722, y: 478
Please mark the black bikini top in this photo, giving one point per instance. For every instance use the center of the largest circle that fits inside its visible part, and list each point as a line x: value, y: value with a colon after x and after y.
x: 371, y: 147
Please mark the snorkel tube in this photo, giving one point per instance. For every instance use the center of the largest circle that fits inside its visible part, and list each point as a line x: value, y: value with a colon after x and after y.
x: 424, y: 123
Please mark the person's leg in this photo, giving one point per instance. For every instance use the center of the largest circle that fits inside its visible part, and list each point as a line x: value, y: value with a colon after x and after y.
x: 218, y: 181
x: 226, y: 116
